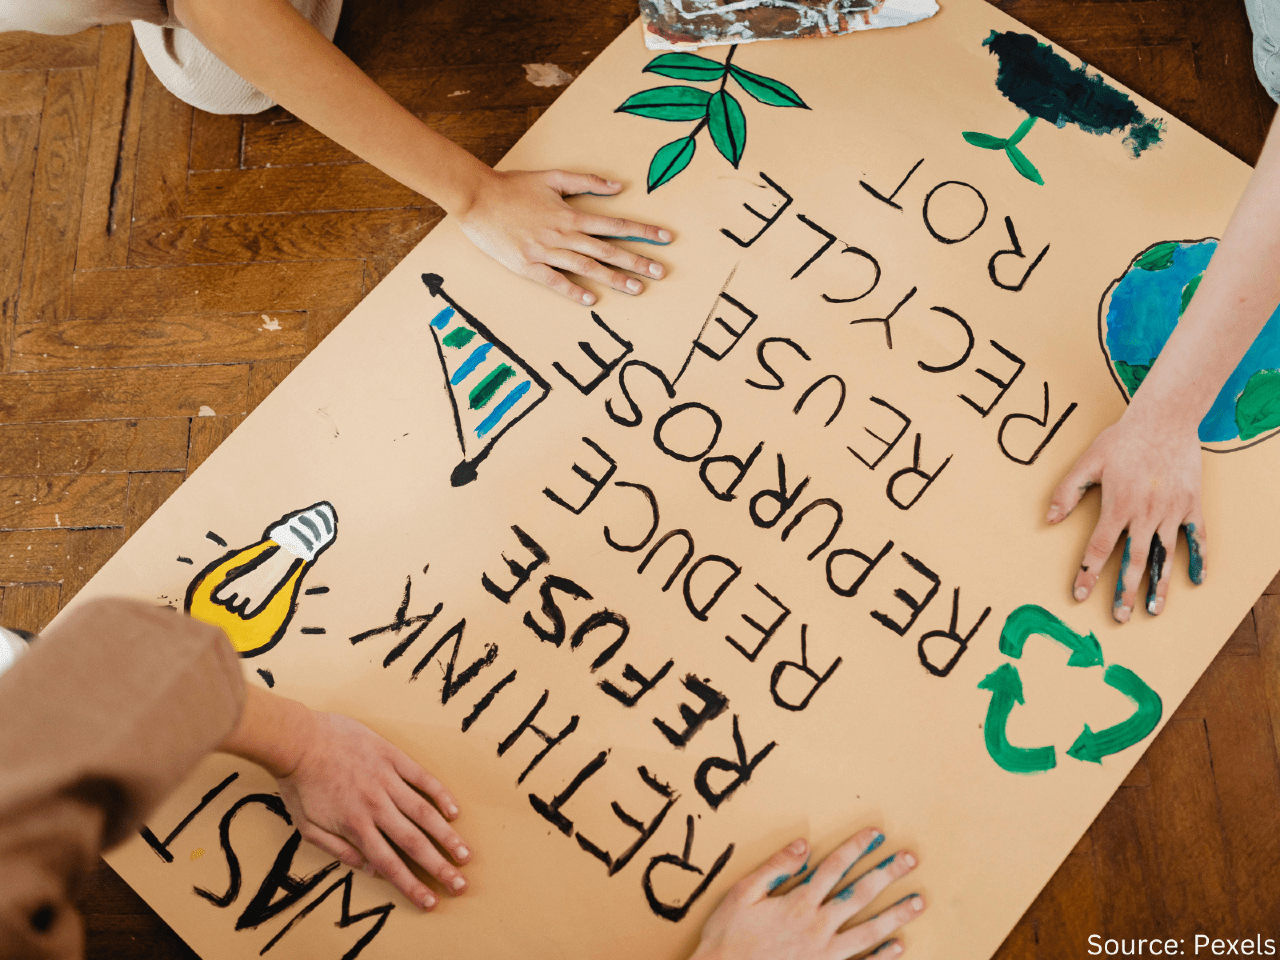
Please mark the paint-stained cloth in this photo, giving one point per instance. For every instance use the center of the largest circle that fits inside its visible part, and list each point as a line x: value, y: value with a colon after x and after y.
x: 180, y: 61
x: 105, y: 716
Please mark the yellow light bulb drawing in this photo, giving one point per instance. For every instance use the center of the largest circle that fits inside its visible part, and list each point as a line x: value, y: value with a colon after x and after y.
x: 252, y: 592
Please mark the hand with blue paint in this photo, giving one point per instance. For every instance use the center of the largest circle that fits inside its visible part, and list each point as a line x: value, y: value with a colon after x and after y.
x: 768, y: 915
x: 349, y: 791
x: 1148, y: 464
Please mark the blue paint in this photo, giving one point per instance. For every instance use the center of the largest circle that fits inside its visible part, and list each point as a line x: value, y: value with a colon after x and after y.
x: 885, y: 862
x: 873, y: 846
x: 1124, y: 569
x: 441, y: 319
x: 776, y: 882
x: 1145, y: 307
x: 474, y: 359
x: 846, y: 893
x: 909, y: 896
x: 1195, y: 564
x: 656, y: 243
x: 507, y: 403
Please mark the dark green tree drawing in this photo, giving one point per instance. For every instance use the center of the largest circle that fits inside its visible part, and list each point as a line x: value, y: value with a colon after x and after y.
x: 1046, y: 86
x: 717, y: 110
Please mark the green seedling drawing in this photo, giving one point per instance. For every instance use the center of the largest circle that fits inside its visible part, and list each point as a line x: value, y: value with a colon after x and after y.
x: 1005, y: 685
x: 716, y: 110
x: 1046, y: 86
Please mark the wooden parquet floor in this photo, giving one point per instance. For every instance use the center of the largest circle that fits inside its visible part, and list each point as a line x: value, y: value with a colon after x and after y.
x: 163, y: 269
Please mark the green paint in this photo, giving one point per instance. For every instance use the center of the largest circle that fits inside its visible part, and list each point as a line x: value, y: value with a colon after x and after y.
x: 1158, y: 257
x: 717, y: 110
x: 487, y: 387
x: 1144, y: 135
x: 1188, y: 292
x: 1023, y: 129
x: 767, y: 90
x: 670, y: 160
x: 685, y: 66
x: 1124, y: 570
x: 1092, y: 747
x: 727, y: 125
x: 1132, y: 374
x: 984, y: 140
x: 667, y: 103
x: 1022, y: 164
x: 1030, y: 620
x: 459, y: 337
x: 1006, y: 691
x: 1195, y: 562
x: 1258, y: 407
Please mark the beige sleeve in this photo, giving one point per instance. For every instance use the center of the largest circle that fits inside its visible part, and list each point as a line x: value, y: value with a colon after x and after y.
x: 106, y: 715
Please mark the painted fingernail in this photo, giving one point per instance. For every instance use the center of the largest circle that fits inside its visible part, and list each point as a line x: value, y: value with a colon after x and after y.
x: 588, y: 298
x: 633, y: 286
x: 664, y: 236
x: 1123, y: 614
x: 462, y: 853
x: 909, y: 860
x: 457, y: 883
x: 1082, y: 593
x: 655, y: 269
x: 797, y: 847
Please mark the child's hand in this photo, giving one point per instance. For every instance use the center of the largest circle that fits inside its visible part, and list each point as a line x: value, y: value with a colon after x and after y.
x: 522, y: 221
x: 804, y: 923
x: 351, y: 787
x: 1150, y: 477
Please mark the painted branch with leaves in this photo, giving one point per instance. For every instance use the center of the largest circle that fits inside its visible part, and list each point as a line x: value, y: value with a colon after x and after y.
x: 718, y: 111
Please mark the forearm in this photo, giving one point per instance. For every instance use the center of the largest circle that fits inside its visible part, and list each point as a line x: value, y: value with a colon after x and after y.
x: 1240, y: 291
x: 273, y: 732
x: 269, y: 44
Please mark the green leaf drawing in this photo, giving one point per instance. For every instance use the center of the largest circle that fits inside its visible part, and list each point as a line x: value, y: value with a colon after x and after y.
x: 767, y: 90
x: 685, y: 66
x: 1132, y: 374
x: 670, y: 160
x: 668, y: 103
x: 1258, y: 409
x: 1023, y: 129
x: 984, y: 140
x: 727, y: 125
x: 1158, y: 257
x: 1022, y: 164
x: 1188, y: 292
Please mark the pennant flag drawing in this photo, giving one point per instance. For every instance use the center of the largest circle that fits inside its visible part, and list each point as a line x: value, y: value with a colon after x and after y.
x: 490, y: 388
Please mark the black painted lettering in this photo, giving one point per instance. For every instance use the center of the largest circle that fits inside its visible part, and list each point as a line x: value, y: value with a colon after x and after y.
x: 836, y: 521
x: 400, y: 623
x: 597, y: 483
x: 714, y: 703
x: 968, y: 349
x: 451, y: 686
x: 910, y: 602
x: 280, y: 889
x: 891, y: 489
x: 1039, y: 421
x: 766, y: 633
x: 863, y: 563
x: 550, y: 740
x: 551, y: 811
x: 873, y: 261
x: 888, y: 330
x: 951, y: 643
x: 818, y: 383
x: 643, y: 684
x: 1014, y: 251
x: 273, y: 804
x: 739, y: 470
x: 778, y: 382
x: 675, y: 912
x: 645, y: 830
x: 943, y: 238
x: 161, y: 847
x: 636, y: 416
x: 784, y: 499
x: 700, y: 610
x: 889, y: 199
x: 555, y: 633
x: 605, y: 368
x: 813, y: 680
x: 688, y: 555
x: 484, y: 702
x: 598, y: 621
x: 1003, y: 385
x: 741, y: 770
x: 346, y: 919
x: 653, y: 526
x: 718, y: 336
x: 715, y: 423
x: 888, y: 444
x: 521, y: 573
x: 830, y: 238
x: 769, y: 221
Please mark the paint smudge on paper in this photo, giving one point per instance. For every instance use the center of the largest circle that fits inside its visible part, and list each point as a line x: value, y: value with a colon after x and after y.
x: 544, y: 75
x: 1137, y: 315
x: 251, y: 592
x: 689, y: 24
x: 1045, y: 85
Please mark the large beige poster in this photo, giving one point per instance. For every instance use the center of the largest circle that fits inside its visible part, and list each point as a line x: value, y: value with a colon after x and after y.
x: 658, y: 587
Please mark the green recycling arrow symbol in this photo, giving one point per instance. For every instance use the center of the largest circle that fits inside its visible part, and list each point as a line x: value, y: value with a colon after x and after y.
x: 1094, y: 746
x: 1005, y: 686
x: 1006, y: 690
x: 1029, y: 620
